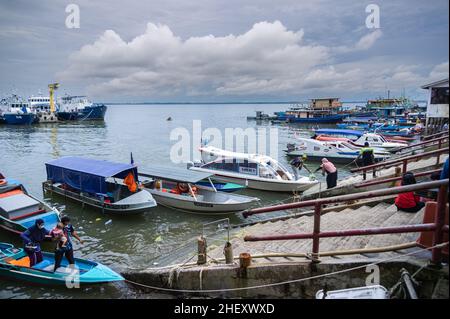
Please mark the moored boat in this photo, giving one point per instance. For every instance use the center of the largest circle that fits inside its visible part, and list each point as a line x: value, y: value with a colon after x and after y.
x: 252, y: 170
x: 79, y: 108
x: 19, y: 209
x: 19, y: 113
x: 179, y: 188
x: 335, y: 151
x: 111, y: 187
x: 15, y: 263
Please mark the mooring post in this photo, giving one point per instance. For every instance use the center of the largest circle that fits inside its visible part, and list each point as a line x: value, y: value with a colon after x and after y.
x: 201, y: 250
x: 316, y: 232
x: 442, y: 200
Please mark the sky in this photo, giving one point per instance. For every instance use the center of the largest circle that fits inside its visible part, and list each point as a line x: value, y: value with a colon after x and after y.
x: 223, y: 51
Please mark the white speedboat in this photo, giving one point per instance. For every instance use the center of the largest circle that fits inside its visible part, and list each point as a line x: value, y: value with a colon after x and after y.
x: 336, y: 151
x: 252, y: 170
x: 175, y: 188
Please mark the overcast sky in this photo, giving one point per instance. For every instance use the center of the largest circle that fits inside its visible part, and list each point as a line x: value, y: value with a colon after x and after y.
x: 233, y: 50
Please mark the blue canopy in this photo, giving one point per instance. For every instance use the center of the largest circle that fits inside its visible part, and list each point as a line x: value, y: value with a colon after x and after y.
x: 339, y: 132
x: 87, y: 175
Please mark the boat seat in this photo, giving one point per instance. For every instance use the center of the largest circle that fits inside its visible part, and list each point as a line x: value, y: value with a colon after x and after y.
x: 43, y: 265
x: 24, y: 262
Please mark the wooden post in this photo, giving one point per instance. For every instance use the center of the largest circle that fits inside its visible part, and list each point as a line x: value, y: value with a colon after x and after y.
x: 201, y: 250
x: 405, y: 166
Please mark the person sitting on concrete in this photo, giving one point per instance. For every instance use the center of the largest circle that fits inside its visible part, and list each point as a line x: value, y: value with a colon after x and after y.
x: 409, y: 202
x: 328, y: 168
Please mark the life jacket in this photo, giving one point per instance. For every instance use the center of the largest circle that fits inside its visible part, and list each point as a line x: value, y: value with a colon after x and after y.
x: 130, y: 182
x: 367, y: 154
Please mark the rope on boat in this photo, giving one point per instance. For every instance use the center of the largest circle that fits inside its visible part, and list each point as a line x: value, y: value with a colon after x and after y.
x: 287, y: 281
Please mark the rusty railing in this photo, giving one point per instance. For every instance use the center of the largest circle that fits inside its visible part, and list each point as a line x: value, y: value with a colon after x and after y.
x: 438, y: 227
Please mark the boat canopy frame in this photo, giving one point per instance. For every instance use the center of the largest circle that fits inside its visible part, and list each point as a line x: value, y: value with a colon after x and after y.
x: 174, y: 174
x: 87, y: 175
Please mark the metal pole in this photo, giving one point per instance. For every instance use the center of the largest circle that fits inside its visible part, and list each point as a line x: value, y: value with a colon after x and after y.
x: 439, y: 223
x: 405, y: 166
x: 316, y: 232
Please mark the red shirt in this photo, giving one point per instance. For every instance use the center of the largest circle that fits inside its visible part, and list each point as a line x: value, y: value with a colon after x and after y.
x: 407, y: 200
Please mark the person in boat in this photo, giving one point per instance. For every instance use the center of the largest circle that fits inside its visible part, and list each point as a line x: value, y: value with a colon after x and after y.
x: 409, y: 202
x: 183, y: 188
x: 330, y: 170
x: 367, y: 155
x: 32, y: 239
x: 67, y: 250
x: 58, y: 234
x: 297, y: 164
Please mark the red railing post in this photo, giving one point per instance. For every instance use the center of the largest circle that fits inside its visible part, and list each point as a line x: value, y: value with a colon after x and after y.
x: 439, y: 222
x: 438, y: 159
x: 405, y: 166
x: 316, y: 232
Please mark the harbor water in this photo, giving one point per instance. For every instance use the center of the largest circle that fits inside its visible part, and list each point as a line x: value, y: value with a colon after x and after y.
x: 122, y: 242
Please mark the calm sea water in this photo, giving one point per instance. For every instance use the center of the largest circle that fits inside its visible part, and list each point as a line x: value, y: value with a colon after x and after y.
x: 154, y: 238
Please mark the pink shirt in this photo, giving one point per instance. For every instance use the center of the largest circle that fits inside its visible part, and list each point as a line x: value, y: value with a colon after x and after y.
x: 327, y: 166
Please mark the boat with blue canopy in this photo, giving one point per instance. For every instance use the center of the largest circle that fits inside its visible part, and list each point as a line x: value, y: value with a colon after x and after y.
x: 19, y: 209
x: 15, y: 263
x: 109, y: 186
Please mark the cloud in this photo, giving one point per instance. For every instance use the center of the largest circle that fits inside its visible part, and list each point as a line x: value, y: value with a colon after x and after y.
x: 266, y: 60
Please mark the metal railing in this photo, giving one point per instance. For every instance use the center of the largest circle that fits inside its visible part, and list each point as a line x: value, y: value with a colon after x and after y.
x: 438, y: 227
x: 435, y: 135
x: 395, y: 179
x: 404, y: 161
x: 439, y: 141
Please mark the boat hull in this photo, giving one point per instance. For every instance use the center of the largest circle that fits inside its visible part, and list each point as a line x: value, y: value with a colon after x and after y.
x: 19, y: 119
x: 259, y: 183
x: 84, y: 272
x: 114, y: 208
x: 89, y: 113
x: 188, y: 203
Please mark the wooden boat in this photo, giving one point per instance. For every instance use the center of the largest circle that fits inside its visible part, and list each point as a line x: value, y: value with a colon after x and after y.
x: 19, y: 209
x: 99, y: 184
x: 179, y: 188
x: 252, y: 170
x: 15, y: 263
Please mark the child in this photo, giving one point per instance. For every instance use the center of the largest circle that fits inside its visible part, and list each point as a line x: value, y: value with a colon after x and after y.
x: 409, y: 202
x: 58, y: 234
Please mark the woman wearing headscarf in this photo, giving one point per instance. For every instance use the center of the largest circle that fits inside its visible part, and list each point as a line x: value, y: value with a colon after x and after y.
x: 330, y: 170
x: 32, y: 239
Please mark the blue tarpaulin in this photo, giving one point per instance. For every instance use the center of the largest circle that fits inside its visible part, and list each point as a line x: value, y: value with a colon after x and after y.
x: 87, y: 175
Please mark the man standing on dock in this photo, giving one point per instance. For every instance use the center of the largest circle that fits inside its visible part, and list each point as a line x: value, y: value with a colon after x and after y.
x: 367, y: 154
x: 330, y: 170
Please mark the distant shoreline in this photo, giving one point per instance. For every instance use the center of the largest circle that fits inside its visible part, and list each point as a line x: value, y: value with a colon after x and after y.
x: 226, y: 103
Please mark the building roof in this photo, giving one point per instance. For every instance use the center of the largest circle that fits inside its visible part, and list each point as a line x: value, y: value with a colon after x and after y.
x: 434, y: 84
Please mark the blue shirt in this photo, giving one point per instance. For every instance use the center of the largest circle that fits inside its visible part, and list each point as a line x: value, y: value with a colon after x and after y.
x: 68, y: 231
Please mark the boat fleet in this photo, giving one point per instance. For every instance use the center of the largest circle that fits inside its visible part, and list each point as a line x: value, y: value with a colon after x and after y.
x: 15, y: 110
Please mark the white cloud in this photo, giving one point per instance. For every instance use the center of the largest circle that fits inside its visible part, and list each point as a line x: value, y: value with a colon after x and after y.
x: 266, y: 60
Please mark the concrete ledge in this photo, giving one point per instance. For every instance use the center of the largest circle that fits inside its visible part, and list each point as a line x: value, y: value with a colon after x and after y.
x: 216, y: 277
